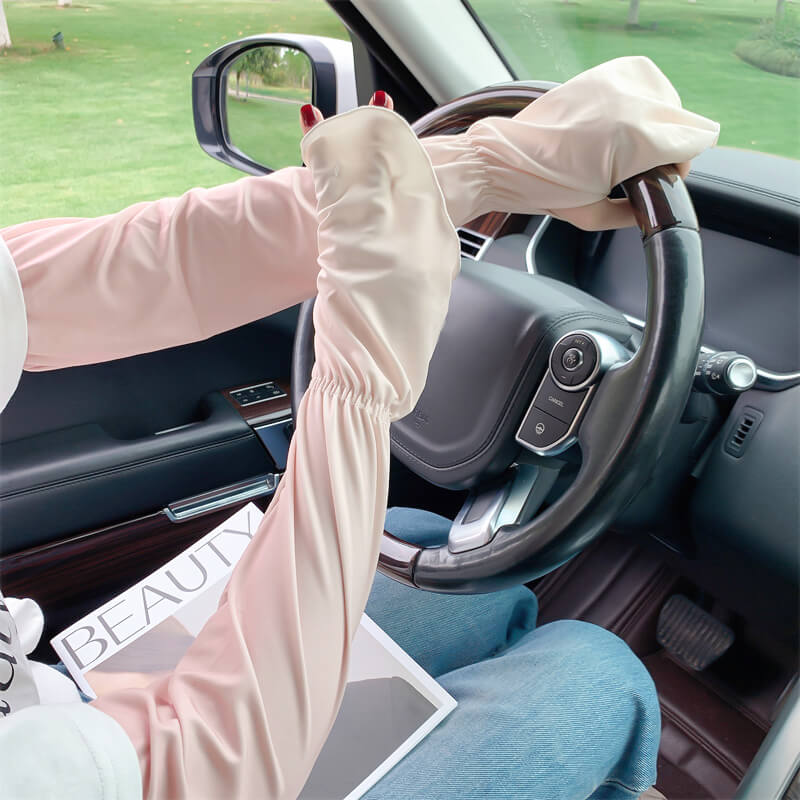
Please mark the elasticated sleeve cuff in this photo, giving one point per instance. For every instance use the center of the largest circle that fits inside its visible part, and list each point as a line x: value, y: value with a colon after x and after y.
x: 388, y: 254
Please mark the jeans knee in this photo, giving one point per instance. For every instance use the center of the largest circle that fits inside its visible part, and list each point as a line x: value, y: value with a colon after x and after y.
x: 601, y: 680
x: 604, y: 703
x: 594, y: 652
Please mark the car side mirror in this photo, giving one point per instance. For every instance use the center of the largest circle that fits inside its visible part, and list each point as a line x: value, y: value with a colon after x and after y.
x: 246, y: 96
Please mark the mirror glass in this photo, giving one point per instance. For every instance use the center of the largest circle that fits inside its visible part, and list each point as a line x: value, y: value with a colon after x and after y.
x: 265, y: 88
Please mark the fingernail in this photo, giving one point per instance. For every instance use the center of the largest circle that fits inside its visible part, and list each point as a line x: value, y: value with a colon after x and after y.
x: 379, y: 98
x: 307, y: 115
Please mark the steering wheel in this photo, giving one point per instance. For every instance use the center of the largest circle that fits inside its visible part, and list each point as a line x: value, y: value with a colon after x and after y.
x: 526, y: 370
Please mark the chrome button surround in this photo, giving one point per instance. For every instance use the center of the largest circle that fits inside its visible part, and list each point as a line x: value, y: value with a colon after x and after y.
x: 551, y: 422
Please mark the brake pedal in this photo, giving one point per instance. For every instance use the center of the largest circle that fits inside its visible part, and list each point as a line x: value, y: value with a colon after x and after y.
x: 691, y: 635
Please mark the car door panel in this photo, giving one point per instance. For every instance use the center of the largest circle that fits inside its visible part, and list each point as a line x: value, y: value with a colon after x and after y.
x: 85, y: 571
x: 151, y: 392
x: 78, y: 478
x: 88, y: 447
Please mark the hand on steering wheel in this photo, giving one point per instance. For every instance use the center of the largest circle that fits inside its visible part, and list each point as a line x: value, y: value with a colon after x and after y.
x: 563, y: 153
x: 500, y: 344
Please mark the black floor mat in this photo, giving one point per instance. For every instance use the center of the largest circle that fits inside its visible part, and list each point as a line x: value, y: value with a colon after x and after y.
x: 713, y: 721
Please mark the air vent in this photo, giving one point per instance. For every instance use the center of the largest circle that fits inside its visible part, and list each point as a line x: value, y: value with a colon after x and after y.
x: 473, y: 245
x: 743, y: 431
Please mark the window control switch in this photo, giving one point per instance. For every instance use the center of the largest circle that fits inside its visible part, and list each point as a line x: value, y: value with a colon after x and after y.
x: 257, y: 394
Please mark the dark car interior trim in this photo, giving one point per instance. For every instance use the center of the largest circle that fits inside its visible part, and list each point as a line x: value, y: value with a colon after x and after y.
x: 85, y: 571
x: 263, y: 410
x: 95, y: 445
x: 378, y: 67
x: 489, y: 38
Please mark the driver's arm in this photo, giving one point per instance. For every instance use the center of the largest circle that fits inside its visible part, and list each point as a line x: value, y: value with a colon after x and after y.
x: 178, y: 270
x: 247, y: 710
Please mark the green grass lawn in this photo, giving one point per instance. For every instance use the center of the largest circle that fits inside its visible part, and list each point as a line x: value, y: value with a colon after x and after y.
x: 108, y: 122
x: 286, y: 92
x: 692, y: 43
x: 266, y: 131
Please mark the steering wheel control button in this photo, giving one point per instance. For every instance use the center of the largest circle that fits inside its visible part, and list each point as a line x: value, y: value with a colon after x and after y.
x: 725, y: 373
x: 557, y: 402
x: 563, y: 376
x: 572, y: 359
x: 741, y: 374
x: 541, y: 430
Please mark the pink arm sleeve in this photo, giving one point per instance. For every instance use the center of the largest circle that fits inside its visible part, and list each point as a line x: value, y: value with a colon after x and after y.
x: 248, y: 708
x: 178, y: 270
x: 164, y: 273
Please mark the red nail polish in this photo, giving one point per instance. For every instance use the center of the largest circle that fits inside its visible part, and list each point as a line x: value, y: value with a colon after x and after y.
x: 307, y: 115
x: 379, y: 98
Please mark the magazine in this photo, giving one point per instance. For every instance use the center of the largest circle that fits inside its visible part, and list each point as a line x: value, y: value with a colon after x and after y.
x: 390, y: 703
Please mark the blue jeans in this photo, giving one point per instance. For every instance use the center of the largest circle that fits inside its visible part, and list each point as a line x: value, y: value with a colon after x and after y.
x: 561, y: 712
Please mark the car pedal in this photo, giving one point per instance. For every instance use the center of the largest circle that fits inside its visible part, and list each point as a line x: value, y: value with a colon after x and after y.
x: 690, y: 635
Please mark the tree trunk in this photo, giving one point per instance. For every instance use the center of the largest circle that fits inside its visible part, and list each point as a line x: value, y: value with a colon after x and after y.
x: 779, y: 9
x: 5, y: 36
x: 633, y: 13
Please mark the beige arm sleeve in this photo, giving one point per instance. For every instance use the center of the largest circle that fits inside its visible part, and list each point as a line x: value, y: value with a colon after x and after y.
x: 247, y: 710
x: 563, y: 153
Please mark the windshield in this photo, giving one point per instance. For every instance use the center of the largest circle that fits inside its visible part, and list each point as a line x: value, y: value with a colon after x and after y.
x: 735, y: 61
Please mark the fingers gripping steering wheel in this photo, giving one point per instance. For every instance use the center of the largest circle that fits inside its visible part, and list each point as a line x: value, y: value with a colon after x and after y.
x: 526, y: 368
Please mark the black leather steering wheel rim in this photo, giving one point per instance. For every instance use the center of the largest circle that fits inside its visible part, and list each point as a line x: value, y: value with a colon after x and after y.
x: 648, y: 393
